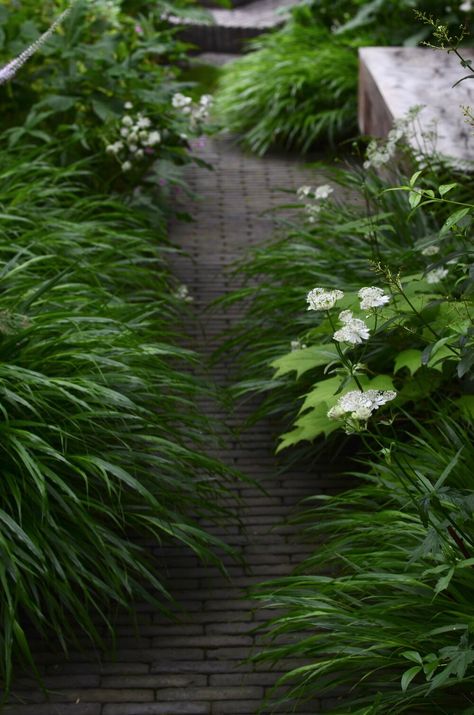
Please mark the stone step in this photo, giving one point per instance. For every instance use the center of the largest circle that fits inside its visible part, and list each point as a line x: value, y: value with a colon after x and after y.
x: 230, y: 29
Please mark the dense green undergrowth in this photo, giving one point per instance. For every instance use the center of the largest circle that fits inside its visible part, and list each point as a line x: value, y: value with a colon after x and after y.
x: 297, y: 86
x: 102, y: 447
x: 360, y: 329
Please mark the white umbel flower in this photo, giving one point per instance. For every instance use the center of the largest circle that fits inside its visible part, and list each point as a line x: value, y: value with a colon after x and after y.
x: 180, y: 101
x: 154, y: 138
x: 355, y: 331
x: 323, y: 192
x: 303, y: 192
x: 372, y: 297
x: 430, y: 250
x: 360, y: 405
x: 436, y: 275
x: 322, y: 299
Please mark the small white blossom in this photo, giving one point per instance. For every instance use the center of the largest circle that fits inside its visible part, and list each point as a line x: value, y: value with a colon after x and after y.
x: 436, y: 275
x: 359, y: 405
x: 128, y: 105
x: 182, y: 293
x: 466, y: 6
x: 312, y: 211
x: 323, y: 192
x: 140, y: 154
x: 127, y: 121
x: 430, y: 250
x: 297, y: 345
x: 153, y: 138
x: 114, y: 148
x: 322, y: 299
x: 132, y: 138
x: 181, y: 101
x: 143, y: 123
x: 126, y: 166
x: 133, y: 148
x: 124, y: 132
x: 303, y: 192
x: 372, y: 297
x: 355, y: 331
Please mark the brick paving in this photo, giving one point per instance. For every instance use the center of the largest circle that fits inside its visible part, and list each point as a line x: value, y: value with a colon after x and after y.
x: 197, y: 665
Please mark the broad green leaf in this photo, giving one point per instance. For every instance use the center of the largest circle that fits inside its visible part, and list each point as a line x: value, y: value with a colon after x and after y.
x: 466, y: 406
x: 305, y: 359
x: 408, y: 676
x: 309, y: 426
x: 444, y: 188
x: 454, y: 219
x: 411, y: 359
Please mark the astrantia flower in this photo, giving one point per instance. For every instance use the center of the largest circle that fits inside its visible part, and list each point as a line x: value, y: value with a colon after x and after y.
x: 322, y: 299
x: 323, y: 192
x: 127, y: 121
x: 303, y: 192
x: 126, y: 166
x: 114, y: 148
x: 153, y: 138
x: 313, y: 211
x: 466, y: 6
x: 436, y: 275
x: 359, y: 405
x: 143, y: 123
x: 181, y: 101
x: 128, y: 105
x: 355, y: 331
x: 125, y: 131
x: 372, y: 297
x: 430, y: 250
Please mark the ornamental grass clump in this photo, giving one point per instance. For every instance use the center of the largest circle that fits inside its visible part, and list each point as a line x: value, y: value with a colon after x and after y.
x: 100, y: 437
x: 382, y: 610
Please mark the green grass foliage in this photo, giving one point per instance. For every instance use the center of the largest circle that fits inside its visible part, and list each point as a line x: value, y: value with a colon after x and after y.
x: 295, y: 87
x: 383, y: 608
x: 100, y: 437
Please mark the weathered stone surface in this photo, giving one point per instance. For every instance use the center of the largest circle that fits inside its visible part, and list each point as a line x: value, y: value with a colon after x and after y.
x: 394, y: 79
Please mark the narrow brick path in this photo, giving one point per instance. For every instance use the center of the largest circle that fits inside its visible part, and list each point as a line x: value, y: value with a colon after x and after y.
x: 195, y: 666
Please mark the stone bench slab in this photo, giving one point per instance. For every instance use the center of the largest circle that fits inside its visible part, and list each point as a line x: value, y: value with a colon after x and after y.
x: 394, y: 79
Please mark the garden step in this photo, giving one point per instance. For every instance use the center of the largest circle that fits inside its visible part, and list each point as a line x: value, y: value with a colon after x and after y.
x: 395, y: 79
x: 230, y: 29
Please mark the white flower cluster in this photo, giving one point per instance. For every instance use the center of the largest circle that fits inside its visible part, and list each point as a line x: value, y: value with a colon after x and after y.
x: 380, y: 153
x: 372, y: 297
x: 318, y: 194
x: 360, y: 405
x: 436, y: 275
x: 138, y: 138
x: 198, y: 112
x: 431, y: 250
x: 322, y: 299
x: 466, y: 6
x: 182, y: 293
x: 354, y: 330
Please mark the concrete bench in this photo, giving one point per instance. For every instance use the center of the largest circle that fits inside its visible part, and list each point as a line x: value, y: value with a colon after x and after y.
x: 394, y: 79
